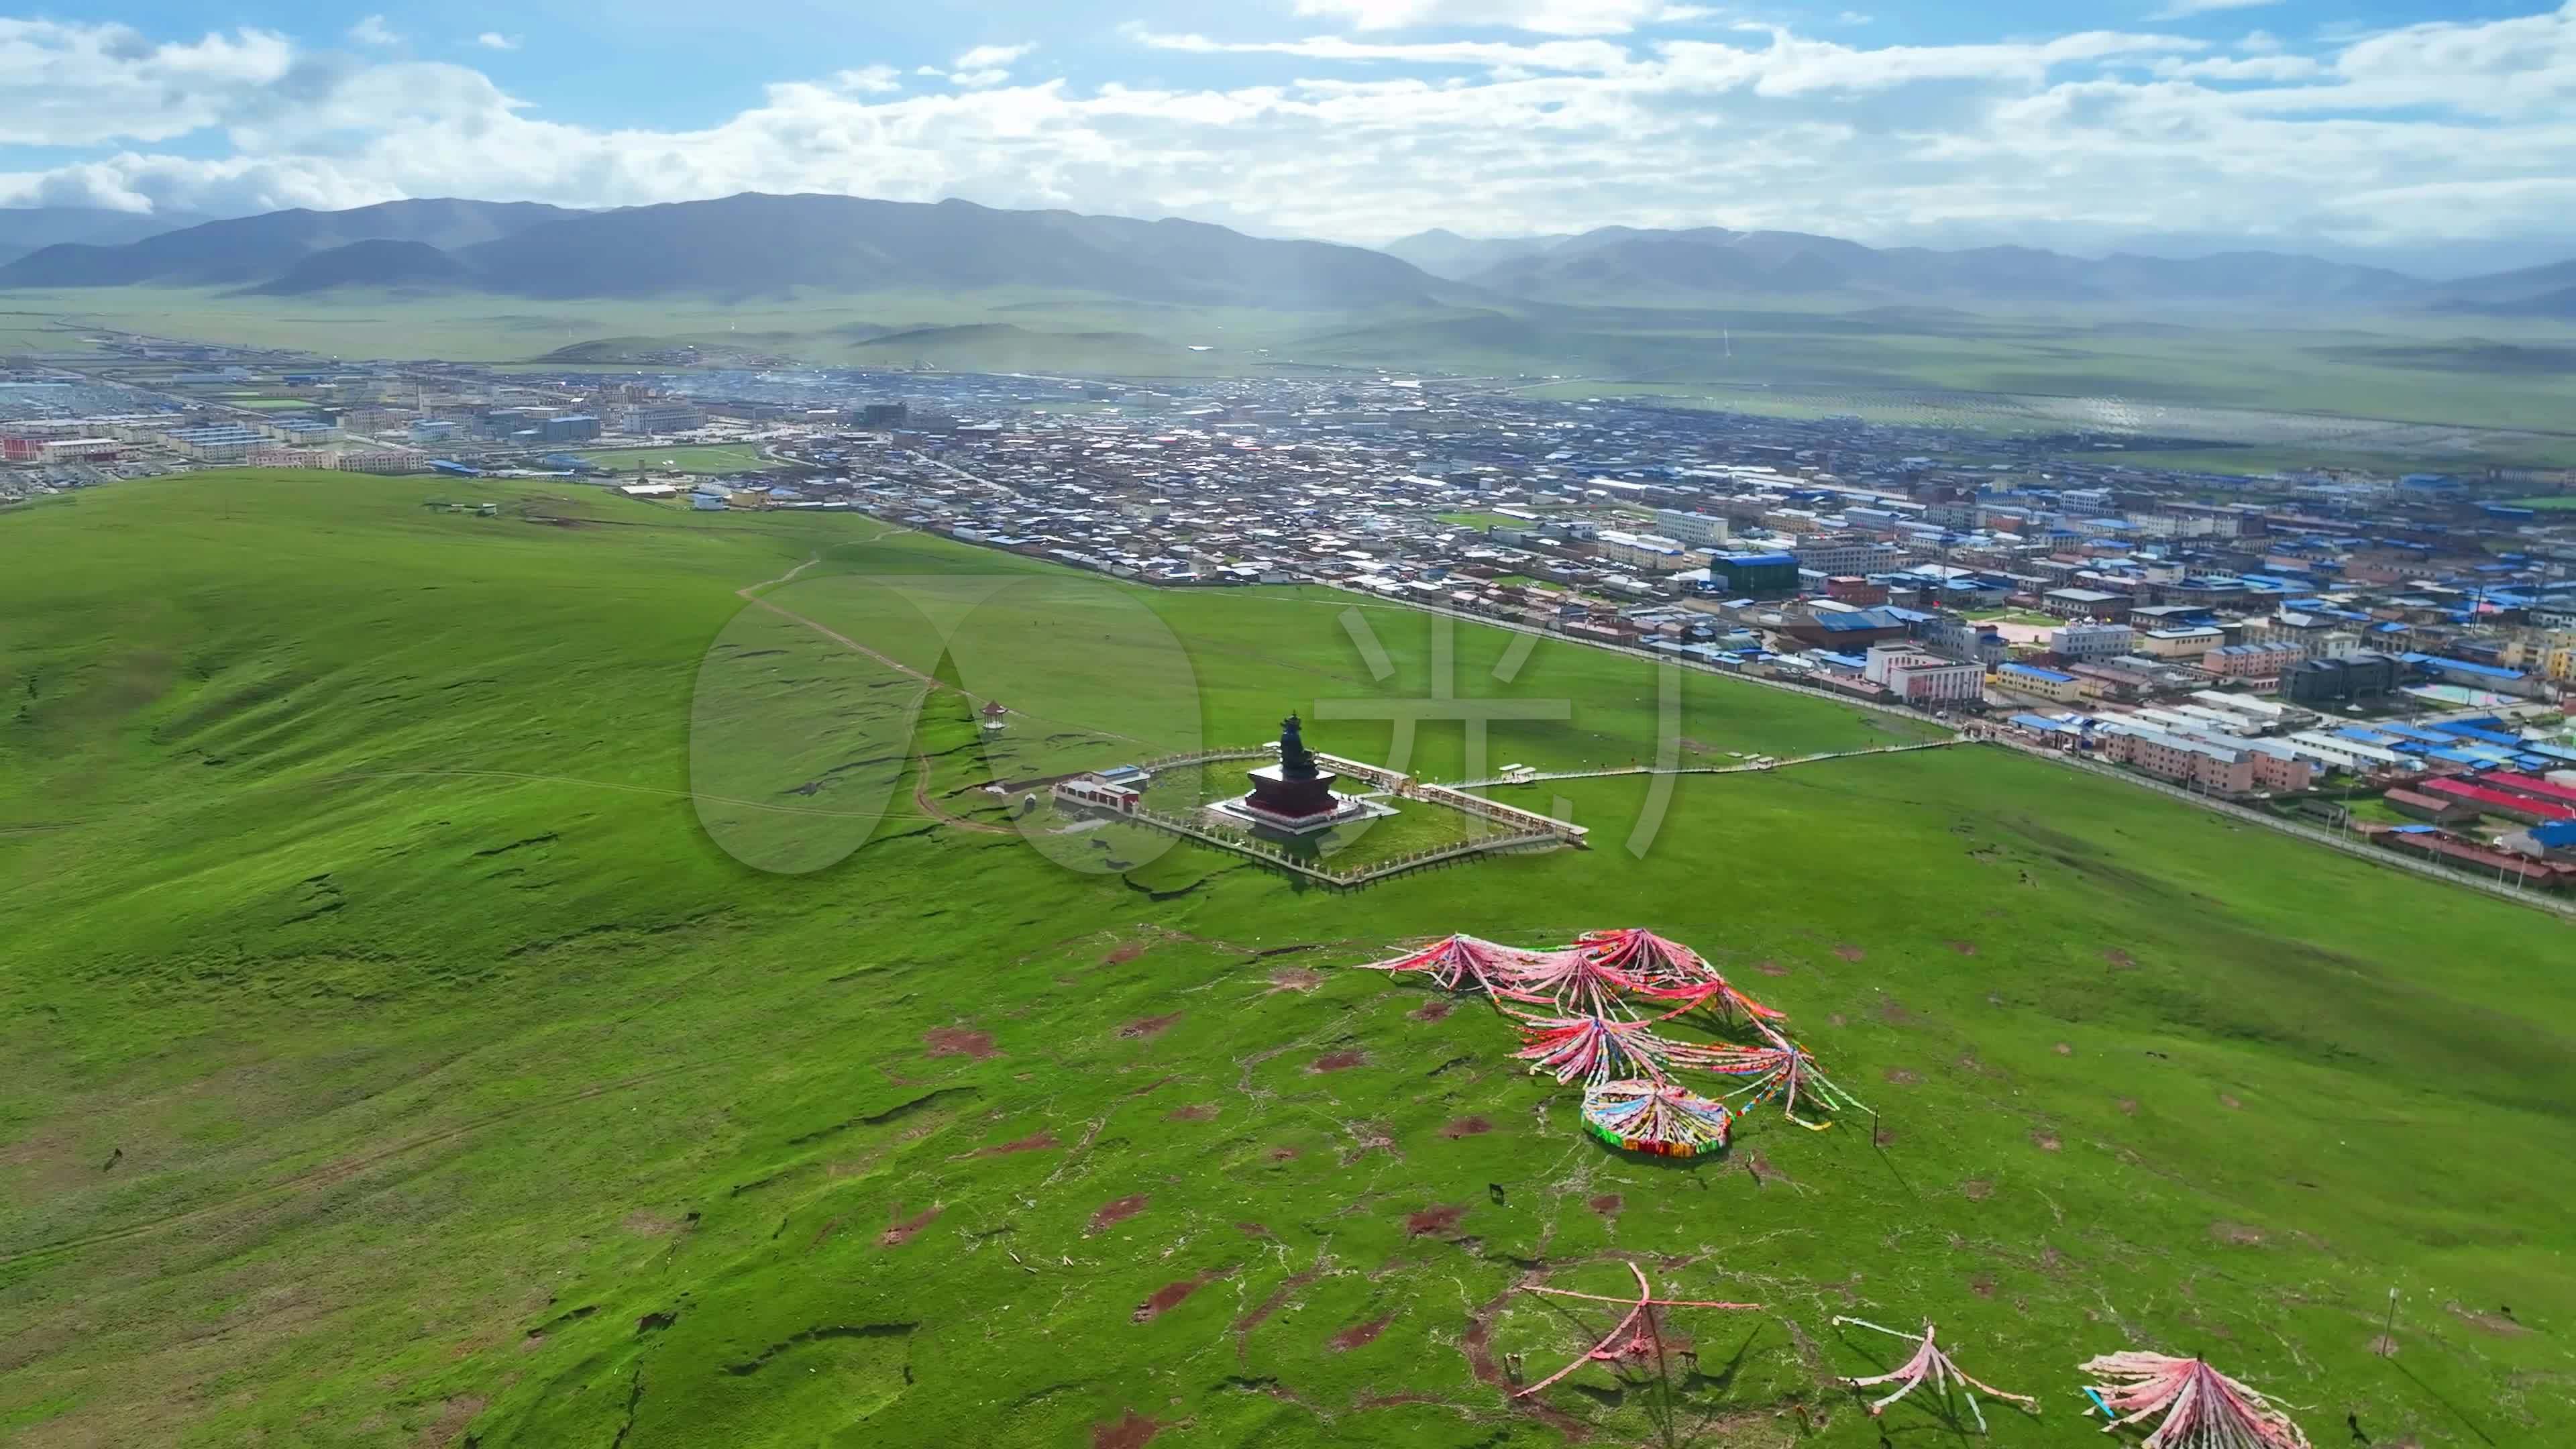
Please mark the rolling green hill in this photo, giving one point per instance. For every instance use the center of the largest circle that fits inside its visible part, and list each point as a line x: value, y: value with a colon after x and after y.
x: 403, y: 1052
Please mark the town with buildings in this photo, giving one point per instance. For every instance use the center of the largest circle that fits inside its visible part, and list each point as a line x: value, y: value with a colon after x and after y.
x: 2391, y: 655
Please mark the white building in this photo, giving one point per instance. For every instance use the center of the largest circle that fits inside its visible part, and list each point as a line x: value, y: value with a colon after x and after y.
x: 1920, y: 678
x: 1704, y: 530
x: 2094, y: 641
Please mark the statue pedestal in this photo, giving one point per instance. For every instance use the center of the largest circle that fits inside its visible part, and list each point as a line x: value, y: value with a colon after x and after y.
x: 1295, y: 806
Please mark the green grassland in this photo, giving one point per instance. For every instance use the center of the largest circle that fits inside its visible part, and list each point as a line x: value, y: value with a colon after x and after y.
x: 2500, y: 373
x: 492, y: 979
x: 2553, y: 501
x: 744, y: 458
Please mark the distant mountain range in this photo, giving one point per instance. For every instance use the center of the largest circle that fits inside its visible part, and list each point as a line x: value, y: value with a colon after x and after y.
x: 1708, y: 265
x: 756, y: 245
x: 751, y: 245
x: 26, y: 229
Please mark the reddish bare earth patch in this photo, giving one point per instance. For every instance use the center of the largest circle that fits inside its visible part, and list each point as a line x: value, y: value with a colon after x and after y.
x: 453, y: 1416
x: 1172, y: 1295
x: 1147, y: 1027
x: 1893, y: 1014
x: 2236, y: 1234
x: 1838, y: 1019
x: 1196, y: 1112
x: 2491, y: 1322
x: 645, y: 1223
x: 823, y: 1234
x: 1770, y: 968
x: 1111, y: 1214
x: 1252, y: 1230
x: 1899, y: 1076
x: 1281, y: 1154
x: 2063, y: 1049
x: 1278, y: 1298
x: 1849, y: 952
x: 2046, y: 1141
x: 957, y: 1041
x: 2120, y: 960
x: 1341, y: 1061
x: 1964, y: 948
x: 1976, y: 1189
x: 1037, y: 1142
x: 1607, y: 1204
x: 1983, y: 1285
x: 1467, y: 1127
x: 2129, y: 1106
x: 1121, y: 955
x: 903, y: 1227
x: 1295, y: 978
x: 1433, y: 1010
x: 1131, y: 1431
x: 2230, y: 1103
x: 1360, y: 1335
x: 1438, y: 1218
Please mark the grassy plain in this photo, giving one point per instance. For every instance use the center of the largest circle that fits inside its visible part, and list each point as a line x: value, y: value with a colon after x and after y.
x: 402, y: 1048
x: 719, y: 460
x: 2552, y: 501
x: 2498, y: 373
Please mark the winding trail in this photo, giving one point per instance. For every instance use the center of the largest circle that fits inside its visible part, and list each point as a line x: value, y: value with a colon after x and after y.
x: 922, y: 800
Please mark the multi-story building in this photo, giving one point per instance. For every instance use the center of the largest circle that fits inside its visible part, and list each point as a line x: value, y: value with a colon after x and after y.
x: 2186, y: 643
x: 1955, y: 637
x: 1705, y: 530
x: 2251, y: 661
x: 2219, y: 765
x: 2188, y: 762
x: 1836, y: 554
x: 1645, y: 552
x: 2352, y: 676
x: 2040, y: 683
x: 2084, y: 604
x: 660, y: 417
x: 389, y: 461
x: 2093, y: 641
x: 1925, y: 679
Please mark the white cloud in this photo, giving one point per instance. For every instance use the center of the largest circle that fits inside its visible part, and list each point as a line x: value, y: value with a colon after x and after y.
x: 1557, y: 55
x: 1546, y: 17
x: 495, y: 40
x: 372, y: 30
x: 1855, y: 17
x: 988, y: 57
x: 76, y: 84
x: 2185, y: 9
x: 2248, y: 68
x: 875, y: 80
x: 2452, y: 130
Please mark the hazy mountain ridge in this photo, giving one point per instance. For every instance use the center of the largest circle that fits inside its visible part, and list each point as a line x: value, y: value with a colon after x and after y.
x: 255, y: 249
x: 741, y: 246
x: 1705, y: 262
x: 27, y: 229
x: 759, y: 245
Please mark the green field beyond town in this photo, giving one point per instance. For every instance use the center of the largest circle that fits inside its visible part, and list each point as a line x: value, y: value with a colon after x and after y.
x: 557, y: 978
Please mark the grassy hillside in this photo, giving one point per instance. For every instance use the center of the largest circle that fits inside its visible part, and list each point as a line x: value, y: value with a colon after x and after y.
x: 401, y: 1047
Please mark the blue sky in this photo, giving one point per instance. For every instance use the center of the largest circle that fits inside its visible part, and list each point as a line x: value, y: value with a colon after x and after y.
x: 2425, y: 132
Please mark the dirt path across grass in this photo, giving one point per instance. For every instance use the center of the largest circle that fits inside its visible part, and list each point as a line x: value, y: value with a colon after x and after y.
x: 928, y: 806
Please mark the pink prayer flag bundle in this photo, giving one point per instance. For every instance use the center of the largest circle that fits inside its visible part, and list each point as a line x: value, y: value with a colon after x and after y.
x: 1929, y: 1365
x: 1573, y: 981
x: 1670, y: 971
x: 2202, y: 1408
x: 1457, y: 963
x: 1598, y: 1049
